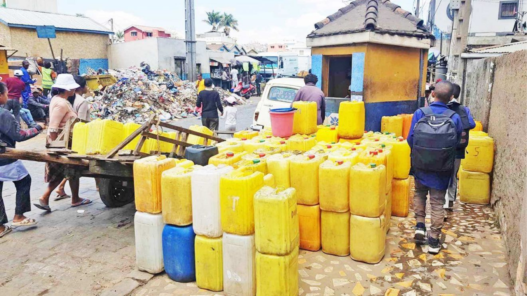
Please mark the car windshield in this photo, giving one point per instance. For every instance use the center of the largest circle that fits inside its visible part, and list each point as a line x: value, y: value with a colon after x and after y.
x: 282, y: 94
x: 274, y: 61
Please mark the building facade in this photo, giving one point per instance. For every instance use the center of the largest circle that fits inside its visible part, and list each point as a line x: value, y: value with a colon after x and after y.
x: 134, y: 33
x: 77, y: 37
x: 376, y: 50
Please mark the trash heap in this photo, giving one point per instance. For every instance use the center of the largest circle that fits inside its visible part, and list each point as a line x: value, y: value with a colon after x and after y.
x: 137, y: 96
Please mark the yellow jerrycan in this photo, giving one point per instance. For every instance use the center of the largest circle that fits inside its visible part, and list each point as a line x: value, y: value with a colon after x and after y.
x: 328, y: 134
x: 278, y: 165
x: 336, y: 233
x: 367, y: 190
x: 276, y: 221
x: 334, y: 186
x: 367, y: 239
x: 277, y: 275
x: 148, y: 172
x: 309, y: 221
x: 197, y: 140
x: 129, y: 128
x: 269, y: 181
x: 209, y: 263
x: 301, y: 143
x: 352, y: 120
x: 388, y: 211
x: 247, y: 135
x: 177, y: 196
x: 400, y: 197
x: 478, y: 128
x: 234, y: 146
x: 103, y: 136
x: 80, y: 138
x: 304, y: 178
x: 401, y: 158
x: 237, y: 190
x: 305, y: 121
x: 474, y: 187
x: 479, y: 155
x: 226, y: 158
x: 392, y: 124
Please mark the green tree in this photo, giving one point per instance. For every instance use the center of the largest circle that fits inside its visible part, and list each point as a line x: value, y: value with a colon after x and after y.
x: 214, y: 19
x: 228, y: 22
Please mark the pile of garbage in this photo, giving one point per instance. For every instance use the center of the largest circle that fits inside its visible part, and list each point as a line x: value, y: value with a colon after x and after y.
x: 137, y: 96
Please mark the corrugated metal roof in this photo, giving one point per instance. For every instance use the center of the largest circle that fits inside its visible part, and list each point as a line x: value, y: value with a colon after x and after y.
x: 507, y: 48
x: 62, y: 22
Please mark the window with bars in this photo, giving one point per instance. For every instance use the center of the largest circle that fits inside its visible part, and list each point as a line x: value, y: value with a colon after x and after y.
x: 148, y: 34
x: 508, y: 9
x: 134, y: 34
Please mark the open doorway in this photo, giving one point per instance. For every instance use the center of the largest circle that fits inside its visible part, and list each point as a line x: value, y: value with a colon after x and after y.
x: 339, y: 76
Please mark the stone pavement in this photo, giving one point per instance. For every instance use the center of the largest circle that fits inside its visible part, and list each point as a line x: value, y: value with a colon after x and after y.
x: 90, y: 251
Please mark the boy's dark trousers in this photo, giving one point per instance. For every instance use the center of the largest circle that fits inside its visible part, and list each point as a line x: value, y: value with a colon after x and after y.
x: 437, y: 201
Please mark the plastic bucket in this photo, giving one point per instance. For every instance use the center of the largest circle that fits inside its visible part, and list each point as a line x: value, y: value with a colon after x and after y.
x: 282, y: 122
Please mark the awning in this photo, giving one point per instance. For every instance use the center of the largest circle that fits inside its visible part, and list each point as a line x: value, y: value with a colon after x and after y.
x: 217, y: 61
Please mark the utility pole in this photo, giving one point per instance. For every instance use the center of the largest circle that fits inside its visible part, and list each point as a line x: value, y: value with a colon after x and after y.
x: 417, y: 8
x: 459, y: 40
x: 190, y: 39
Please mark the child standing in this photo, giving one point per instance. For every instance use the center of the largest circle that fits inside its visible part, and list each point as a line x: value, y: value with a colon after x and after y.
x: 230, y: 114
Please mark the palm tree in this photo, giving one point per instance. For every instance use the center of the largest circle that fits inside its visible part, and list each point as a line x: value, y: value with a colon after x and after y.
x: 214, y: 19
x: 228, y: 22
x: 118, y: 37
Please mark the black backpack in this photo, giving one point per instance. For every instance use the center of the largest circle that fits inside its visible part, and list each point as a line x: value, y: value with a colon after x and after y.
x: 462, y: 112
x: 435, y: 141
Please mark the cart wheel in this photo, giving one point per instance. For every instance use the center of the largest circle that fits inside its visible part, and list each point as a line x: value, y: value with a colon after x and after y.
x: 247, y: 96
x: 115, y: 193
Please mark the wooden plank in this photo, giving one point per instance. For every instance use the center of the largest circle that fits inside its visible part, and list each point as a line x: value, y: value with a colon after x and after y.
x: 139, y: 146
x: 131, y: 137
x: 165, y: 139
x: 191, y: 132
x: 101, y: 167
x: 181, y: 151
x: 175, y: 147
x: 40, y: 157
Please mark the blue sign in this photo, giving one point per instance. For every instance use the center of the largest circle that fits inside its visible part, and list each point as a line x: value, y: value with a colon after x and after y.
x: 46, y: 32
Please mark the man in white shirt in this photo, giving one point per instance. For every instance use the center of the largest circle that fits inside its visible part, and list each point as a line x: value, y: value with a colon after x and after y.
x: 234, y: 77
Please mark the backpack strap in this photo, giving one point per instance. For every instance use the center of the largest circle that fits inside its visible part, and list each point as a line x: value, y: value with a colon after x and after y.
x: 449, y: 113
x: 427, y: 111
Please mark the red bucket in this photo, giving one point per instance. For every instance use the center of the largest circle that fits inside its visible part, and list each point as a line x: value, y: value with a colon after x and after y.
x: 282, y: 122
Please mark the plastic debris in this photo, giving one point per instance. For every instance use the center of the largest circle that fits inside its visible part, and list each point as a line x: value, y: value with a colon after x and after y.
x: 136, y: 96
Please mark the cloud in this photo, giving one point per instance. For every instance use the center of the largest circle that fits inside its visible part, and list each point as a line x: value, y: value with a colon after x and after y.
x: 121, y: 19
x: 327, y: 5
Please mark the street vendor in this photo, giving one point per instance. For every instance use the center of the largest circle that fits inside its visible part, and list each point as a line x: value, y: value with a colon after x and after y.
x: 311, y: 93
x: 60, y: 112
x: 14, y: 170
x: 200, y: 83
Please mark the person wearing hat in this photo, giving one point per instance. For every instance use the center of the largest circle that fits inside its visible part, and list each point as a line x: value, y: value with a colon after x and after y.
x: 14, y: 170
x: 60, y: 112
x: 38, y: 104
x: 229, y: 114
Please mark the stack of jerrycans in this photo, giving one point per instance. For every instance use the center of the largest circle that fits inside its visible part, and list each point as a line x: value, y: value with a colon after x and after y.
x: 178, y: 234
x: 277, y: 241
x: 401, y: 182
x: 334, y: 203
x: 206, y: 215
x: 304, y: 179
x: 474, y: 175
x: 148, y: 219
x: 237, y: 190
x: 367, y: 203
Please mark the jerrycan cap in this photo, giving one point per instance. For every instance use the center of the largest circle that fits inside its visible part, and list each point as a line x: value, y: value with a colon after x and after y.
x: 261, y: 141
x: 375, y: 153
x: 268, y: 137
x: 353, y: 149
x: 400, y: 139
x: 357, y: 143
x: 306, y: 138
x: 261, y: 155
x: 387, y: 133
x: 230, y: 154
x: 312, y: 136
x: 282, y: 142
x: 340, y: 162
x: 333, y: 128
x: 381, y: 151
x: 256, y: 161
x: 328, y: 125
x: 376, y: 140
x: 311, y: 156
x: 333, y: 143
x: 244, y: 139
x: 329, y: 146
x: 373, y: 165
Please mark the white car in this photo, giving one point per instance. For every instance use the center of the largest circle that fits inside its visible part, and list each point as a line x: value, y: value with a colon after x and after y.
x: 278, y: 93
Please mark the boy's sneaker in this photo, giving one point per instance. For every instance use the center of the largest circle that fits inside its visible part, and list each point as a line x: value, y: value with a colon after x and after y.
x: 434, y: 245
x: 420, y: 234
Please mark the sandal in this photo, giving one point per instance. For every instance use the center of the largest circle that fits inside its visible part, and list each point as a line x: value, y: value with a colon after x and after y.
x: 61, y: 197
x: 82, y: 203
x: 42, y: 206
x: 24, y: 223
x: 6, y: 231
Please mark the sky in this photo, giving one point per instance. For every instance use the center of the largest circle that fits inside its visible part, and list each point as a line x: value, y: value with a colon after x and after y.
x: 264, y: 21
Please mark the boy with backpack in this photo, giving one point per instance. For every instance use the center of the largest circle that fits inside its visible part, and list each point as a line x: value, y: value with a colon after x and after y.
x: 468, y: 123
x: 434, y: 136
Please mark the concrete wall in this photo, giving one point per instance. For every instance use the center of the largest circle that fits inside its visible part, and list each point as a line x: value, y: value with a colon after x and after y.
x: 158, y: 52
x: 128, y: 54
x: 74, y: 45
x: 506, y: 80
x: 485, y: 18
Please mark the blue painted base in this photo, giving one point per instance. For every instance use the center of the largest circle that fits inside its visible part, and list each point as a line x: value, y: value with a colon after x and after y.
x: 205, y: 75
x: 375, y: 112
